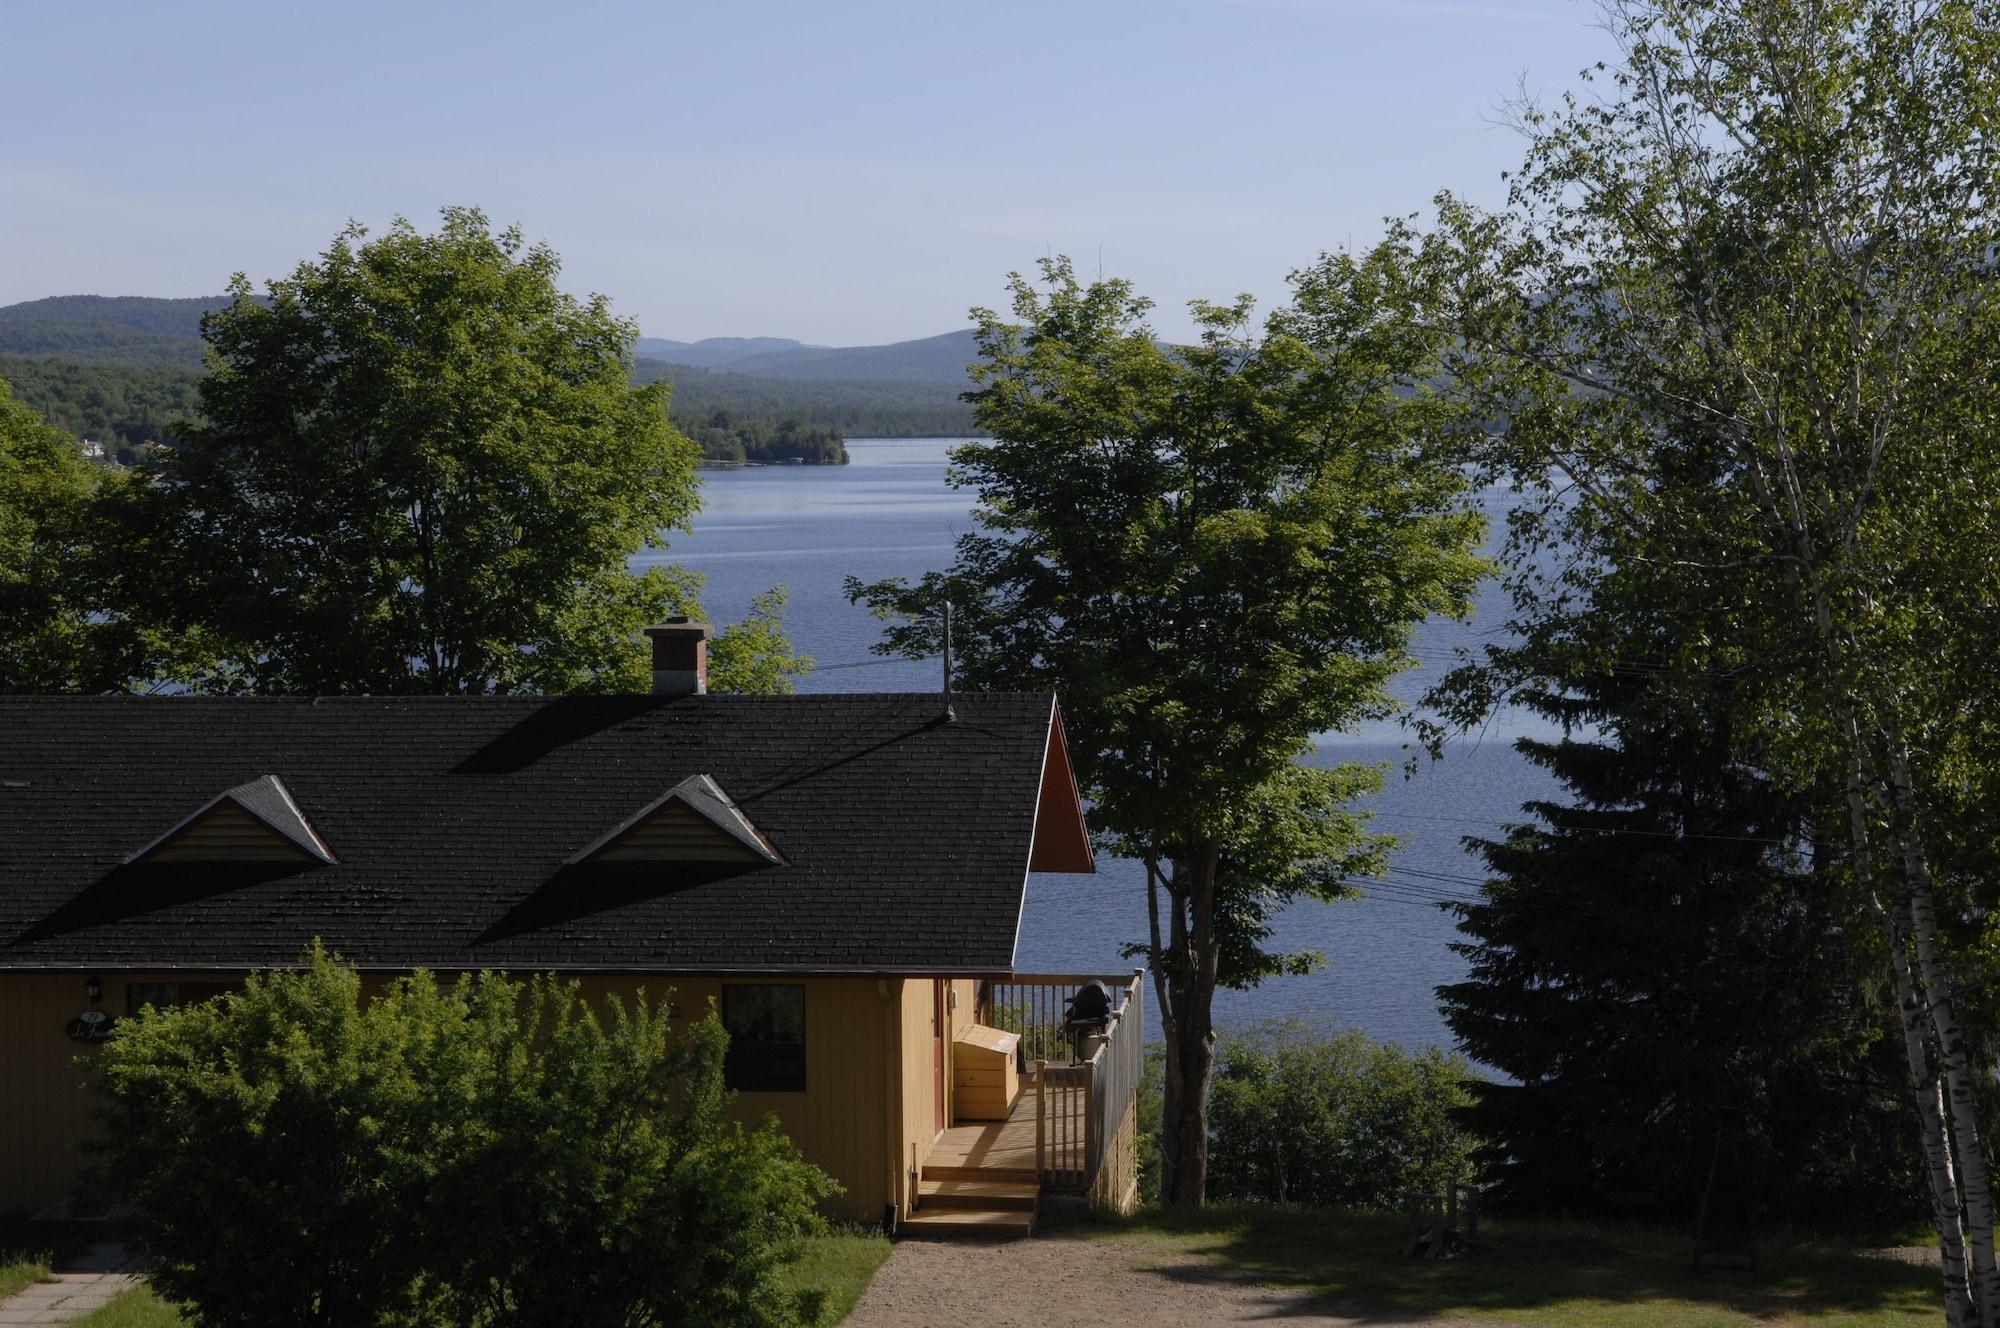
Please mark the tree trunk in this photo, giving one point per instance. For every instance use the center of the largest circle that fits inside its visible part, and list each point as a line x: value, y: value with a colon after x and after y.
x: 1928, y: 1092
x: 1951, y: 1156
x: 1925, y: 1087
x: 1921, y: 910
x: 1185, y: 961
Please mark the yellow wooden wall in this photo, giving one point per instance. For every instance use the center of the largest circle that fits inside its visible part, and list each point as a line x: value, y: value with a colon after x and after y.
x: 844, y: 1122
x: 918, y: 1118
x: 44, y: 1107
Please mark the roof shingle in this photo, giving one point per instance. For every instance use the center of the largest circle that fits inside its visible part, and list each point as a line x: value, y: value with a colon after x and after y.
x: 905, y: 840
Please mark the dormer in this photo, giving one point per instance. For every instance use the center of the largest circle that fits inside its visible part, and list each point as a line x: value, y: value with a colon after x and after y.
x: 253, y: 822
x: 694, y: 822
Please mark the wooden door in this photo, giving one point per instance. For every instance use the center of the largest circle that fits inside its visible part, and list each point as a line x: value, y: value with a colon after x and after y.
x: 939, y: 1026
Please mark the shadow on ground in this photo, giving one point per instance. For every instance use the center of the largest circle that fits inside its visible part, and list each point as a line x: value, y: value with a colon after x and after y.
x: 1528, y: 1271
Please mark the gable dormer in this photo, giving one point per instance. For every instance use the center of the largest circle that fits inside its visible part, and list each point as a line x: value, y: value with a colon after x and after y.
x: 253, y: 822
x: 695, y: 821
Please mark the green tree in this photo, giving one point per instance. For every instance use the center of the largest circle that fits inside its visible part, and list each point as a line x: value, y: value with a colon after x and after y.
x: 1211, y: 553
x: 1742, y: 309
x: 486, y: 1152
x: 755, y: 656
x: 1664, y: 968
x: 57, y: 631
x: 421, y: 468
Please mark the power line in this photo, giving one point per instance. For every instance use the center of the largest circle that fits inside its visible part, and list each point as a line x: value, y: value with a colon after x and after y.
x: 1578, y: 829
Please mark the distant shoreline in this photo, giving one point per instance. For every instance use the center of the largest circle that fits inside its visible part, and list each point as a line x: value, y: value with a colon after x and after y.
x: 706, y: 464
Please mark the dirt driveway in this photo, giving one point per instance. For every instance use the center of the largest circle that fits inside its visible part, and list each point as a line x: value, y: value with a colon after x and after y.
x: 1060, y: 1280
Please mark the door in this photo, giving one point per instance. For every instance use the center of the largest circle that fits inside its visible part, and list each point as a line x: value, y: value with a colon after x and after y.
x: 939, y: 1025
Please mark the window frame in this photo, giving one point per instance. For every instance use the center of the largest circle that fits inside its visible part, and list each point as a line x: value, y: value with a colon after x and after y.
x: 769, y: 1064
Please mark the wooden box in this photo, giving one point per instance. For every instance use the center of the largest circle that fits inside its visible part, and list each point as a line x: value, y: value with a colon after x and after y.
x: 984, y: 1081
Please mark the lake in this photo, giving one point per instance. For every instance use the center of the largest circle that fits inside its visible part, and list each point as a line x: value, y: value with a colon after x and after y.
x: 890, y: 512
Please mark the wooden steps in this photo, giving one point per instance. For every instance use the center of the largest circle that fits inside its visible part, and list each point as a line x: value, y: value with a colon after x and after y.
x: 981, y: 1178
x: 987, y: 1194
x: 991, y: 1224
x: 993, y: 1204
x: 1008, y: 1175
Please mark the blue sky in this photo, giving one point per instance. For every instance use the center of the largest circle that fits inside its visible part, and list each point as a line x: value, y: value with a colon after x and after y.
x: 845, y: 173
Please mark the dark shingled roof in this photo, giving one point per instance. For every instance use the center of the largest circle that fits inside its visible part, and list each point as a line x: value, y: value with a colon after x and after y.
x: 905, y: 840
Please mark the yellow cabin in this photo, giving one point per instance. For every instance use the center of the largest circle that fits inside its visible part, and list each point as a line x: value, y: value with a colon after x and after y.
x: 839, y: 875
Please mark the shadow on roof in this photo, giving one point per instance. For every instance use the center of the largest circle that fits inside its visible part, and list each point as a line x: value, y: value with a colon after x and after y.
x: 553, y: 725
x: 147, y: 887
x: 590, y: 888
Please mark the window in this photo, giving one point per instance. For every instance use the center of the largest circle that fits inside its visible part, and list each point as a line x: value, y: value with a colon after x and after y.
x: 166, y: 995
x: 767, y: 1037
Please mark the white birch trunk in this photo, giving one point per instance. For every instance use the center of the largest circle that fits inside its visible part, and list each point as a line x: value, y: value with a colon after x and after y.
x: 1921, y: 904
x: 1928, y: 1090
x: 1925, y: 1087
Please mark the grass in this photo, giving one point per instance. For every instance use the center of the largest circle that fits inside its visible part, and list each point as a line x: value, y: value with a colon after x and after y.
x: 841, y: 1264
x: 27, y: 1249
x: 1559, y: 1274
x: 137, y: 1307
x: 17, y: 1272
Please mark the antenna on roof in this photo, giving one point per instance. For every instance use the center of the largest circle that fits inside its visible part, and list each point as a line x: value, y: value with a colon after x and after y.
x: 950, y: 715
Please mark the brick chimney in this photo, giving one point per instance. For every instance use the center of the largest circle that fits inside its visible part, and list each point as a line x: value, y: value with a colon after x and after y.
x: 680, y: 657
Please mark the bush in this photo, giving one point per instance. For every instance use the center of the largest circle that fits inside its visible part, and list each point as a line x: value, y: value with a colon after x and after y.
x: 487, y: 1152
x: 1303, y: 1113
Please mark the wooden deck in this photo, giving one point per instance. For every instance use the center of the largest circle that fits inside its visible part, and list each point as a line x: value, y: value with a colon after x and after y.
x: 997, y: 1150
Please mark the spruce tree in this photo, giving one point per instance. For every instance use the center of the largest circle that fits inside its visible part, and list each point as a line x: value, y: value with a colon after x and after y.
x: 1663, y: 970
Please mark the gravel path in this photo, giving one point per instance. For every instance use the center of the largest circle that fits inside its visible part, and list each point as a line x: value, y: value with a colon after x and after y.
x: 1066, y: 1280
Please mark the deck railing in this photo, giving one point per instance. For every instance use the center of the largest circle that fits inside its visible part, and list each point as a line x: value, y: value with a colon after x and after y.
x: 1080, y: 1103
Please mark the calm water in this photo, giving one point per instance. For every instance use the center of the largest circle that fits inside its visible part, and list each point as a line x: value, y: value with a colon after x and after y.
x: 890, y: 513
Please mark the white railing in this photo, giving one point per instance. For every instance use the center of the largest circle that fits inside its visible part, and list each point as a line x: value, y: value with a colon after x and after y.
x: 1080, y: 1102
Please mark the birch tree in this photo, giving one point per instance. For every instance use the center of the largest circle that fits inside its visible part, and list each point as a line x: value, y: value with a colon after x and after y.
x: 1741, y: 314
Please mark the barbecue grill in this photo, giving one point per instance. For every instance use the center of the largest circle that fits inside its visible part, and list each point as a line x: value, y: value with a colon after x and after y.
x: 1087, y: 1019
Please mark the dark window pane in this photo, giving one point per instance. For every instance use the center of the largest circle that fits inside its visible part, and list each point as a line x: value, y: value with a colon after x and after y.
x: 167, y: 995
x: 139, y: 995
x: 767, y: 1037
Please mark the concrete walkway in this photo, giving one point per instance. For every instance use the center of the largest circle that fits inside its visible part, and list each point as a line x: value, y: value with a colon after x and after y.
x: 82, y: 1285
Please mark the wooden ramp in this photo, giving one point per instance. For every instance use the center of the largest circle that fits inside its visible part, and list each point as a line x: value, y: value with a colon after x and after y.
x: 980, y: 1178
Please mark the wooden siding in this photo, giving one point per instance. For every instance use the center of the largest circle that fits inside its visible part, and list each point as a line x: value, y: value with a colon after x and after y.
x: 227, y: 833
x: 674, y: 834
x: 918, y: 1119
x: 1062, y: 840
x: 984, y: 1082
x: 840, y: 1122
x: 44, y: 1106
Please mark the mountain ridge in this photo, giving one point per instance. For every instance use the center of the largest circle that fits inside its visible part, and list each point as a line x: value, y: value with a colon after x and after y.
x: 149, y: 332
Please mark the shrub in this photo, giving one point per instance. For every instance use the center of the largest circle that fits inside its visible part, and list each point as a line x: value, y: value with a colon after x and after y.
x: 628, y: 1199
x: 1303, y: 1113
x: 487, y: 1152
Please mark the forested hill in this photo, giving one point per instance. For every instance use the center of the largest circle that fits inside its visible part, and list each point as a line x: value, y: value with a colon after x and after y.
x: 108, y: 329
x: 769, y: 419
x: 134, y: 330
x: 122, y: 406
x: 938, y: 360
x: 857, y: 408
x: 122, y: 369
x: 712, y: 353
